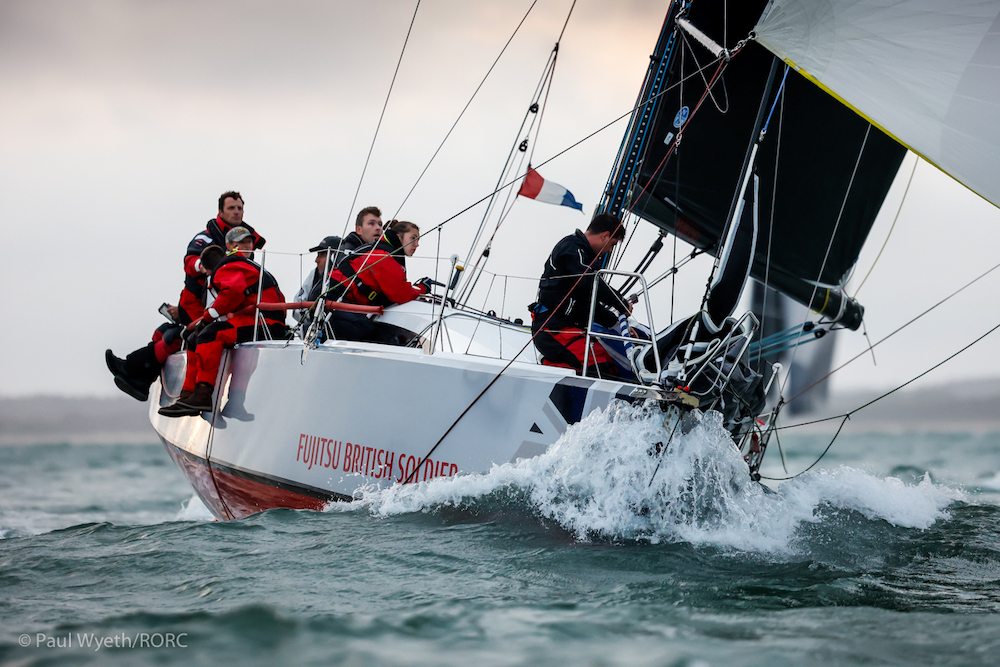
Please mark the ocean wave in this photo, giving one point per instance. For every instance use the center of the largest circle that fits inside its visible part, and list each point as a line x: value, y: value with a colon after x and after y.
x: 604, y: 480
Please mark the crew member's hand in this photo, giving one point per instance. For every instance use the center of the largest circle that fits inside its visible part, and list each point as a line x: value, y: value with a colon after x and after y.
x: 171, y: 335
x: 199, y: 325
x: 195, y: 328
x: 427, y: 283
x: 174, y: 312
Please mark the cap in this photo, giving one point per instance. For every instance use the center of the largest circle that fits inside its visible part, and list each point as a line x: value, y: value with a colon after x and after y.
x: 329, y: 242
x: 237, y: 234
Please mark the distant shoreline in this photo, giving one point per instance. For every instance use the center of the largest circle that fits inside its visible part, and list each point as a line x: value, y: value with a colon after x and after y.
x: 972, y: 406
x: 965, y: 407
x: 45, y: 420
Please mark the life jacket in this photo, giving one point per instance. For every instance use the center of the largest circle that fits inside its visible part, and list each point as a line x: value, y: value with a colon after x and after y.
x: 260, y: 282
x: 214, y: 234
x: 352, y: 286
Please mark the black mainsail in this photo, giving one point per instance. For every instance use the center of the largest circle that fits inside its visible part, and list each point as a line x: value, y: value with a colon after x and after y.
x: 823, y: 170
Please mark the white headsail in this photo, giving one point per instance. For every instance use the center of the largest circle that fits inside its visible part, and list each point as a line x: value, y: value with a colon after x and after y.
x: 926, y: 73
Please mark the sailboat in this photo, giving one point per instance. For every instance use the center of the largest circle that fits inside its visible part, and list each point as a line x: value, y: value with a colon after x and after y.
x: 792, y: 121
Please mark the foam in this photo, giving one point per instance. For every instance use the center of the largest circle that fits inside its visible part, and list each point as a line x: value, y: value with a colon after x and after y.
x: 595, y: 483
x: 194, y: 510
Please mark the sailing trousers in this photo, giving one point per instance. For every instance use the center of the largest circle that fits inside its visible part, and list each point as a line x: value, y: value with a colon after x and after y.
x: 565, y: 348
x: 166, y: 341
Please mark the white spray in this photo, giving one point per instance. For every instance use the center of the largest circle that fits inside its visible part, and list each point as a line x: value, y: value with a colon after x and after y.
x: 595, y: 483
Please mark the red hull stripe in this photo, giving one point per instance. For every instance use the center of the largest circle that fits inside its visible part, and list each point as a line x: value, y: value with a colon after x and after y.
x: 233, y: 493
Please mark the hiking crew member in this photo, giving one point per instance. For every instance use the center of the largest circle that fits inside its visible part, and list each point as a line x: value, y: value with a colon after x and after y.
x: 140, y: 368
x: 375, y: 275
x: 559, y: 318
x: 237, y: 281
x: 192, y: 299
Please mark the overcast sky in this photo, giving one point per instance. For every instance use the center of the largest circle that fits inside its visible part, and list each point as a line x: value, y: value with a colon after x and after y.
x: 122, y: 122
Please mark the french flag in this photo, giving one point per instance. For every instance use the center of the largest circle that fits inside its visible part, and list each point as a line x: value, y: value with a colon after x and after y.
x: 537, y: 188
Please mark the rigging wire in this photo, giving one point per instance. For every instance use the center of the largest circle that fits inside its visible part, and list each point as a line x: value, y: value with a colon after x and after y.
x: 559, y: 154
x: 781, y: 451
x: 677, y: 182
x: 465, y: 108
x: 774, y: 196
x: 829, y: 246
x: 890, y: 335
x: 548, y: 75
x: 552, y: 72
x: 894, y: 220
x: 472, y: 276
x: 381, y: 116
x: 847, y: 416
x: 505, y: 172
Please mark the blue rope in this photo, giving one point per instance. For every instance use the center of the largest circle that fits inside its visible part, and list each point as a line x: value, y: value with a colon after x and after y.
x: 776, y: 343
x: 775, y: 103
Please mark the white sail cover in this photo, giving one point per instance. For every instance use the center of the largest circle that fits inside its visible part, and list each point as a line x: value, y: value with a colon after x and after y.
x: 927, y: 72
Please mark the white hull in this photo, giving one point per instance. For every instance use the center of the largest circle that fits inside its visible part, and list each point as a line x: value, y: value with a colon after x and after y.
x: 331, y: 421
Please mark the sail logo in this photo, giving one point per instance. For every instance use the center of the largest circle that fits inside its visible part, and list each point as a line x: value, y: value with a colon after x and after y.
x: 681, y: 117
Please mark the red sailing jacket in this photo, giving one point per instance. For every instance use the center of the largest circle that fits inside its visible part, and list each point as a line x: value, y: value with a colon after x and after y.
x: 383, y: 273
x: 236, y: 279
x: 192, y: 296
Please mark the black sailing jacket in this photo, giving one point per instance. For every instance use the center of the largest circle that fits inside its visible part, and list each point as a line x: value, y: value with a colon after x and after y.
x: 571, y: 258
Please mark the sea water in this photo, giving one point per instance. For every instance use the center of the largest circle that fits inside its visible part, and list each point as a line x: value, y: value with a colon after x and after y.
x: 603, y: 551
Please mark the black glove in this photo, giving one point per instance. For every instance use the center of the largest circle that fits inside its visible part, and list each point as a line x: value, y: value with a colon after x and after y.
x: 427, y: 283
x: 191, y: 335
x: 171, y: 335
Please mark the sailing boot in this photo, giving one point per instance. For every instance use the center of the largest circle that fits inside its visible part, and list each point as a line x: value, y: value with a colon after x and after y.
x: 235, y: 408
x: 124, y: 371
x: 175, y: 409
x: 200, y: 399
x: 143, y: 366
x: 190, y: 403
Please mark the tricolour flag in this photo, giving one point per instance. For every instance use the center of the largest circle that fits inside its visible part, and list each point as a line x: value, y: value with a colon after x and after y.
x: 537, y: 188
